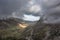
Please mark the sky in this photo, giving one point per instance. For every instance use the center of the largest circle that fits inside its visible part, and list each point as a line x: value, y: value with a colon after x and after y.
x: 16, y: 8
x: 49, y: 8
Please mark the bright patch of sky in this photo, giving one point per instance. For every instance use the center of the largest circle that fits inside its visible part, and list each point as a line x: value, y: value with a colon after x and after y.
x: 31, y: 17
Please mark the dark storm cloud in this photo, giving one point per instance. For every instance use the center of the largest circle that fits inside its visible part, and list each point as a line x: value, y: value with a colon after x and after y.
x: 9, y: 6
x: 51, y: 11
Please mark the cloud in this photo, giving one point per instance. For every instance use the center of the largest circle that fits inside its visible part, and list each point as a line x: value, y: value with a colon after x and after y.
x: 51, y: 11
x: 9, y: 6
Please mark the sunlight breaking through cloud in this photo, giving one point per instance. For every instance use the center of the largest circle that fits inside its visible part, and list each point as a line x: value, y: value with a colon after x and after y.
x: 23, y: 25
x: 35, y: 8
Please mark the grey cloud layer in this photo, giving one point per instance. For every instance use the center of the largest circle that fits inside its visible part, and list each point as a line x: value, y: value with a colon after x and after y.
x: 51, y: 11
x: 9, y: 6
